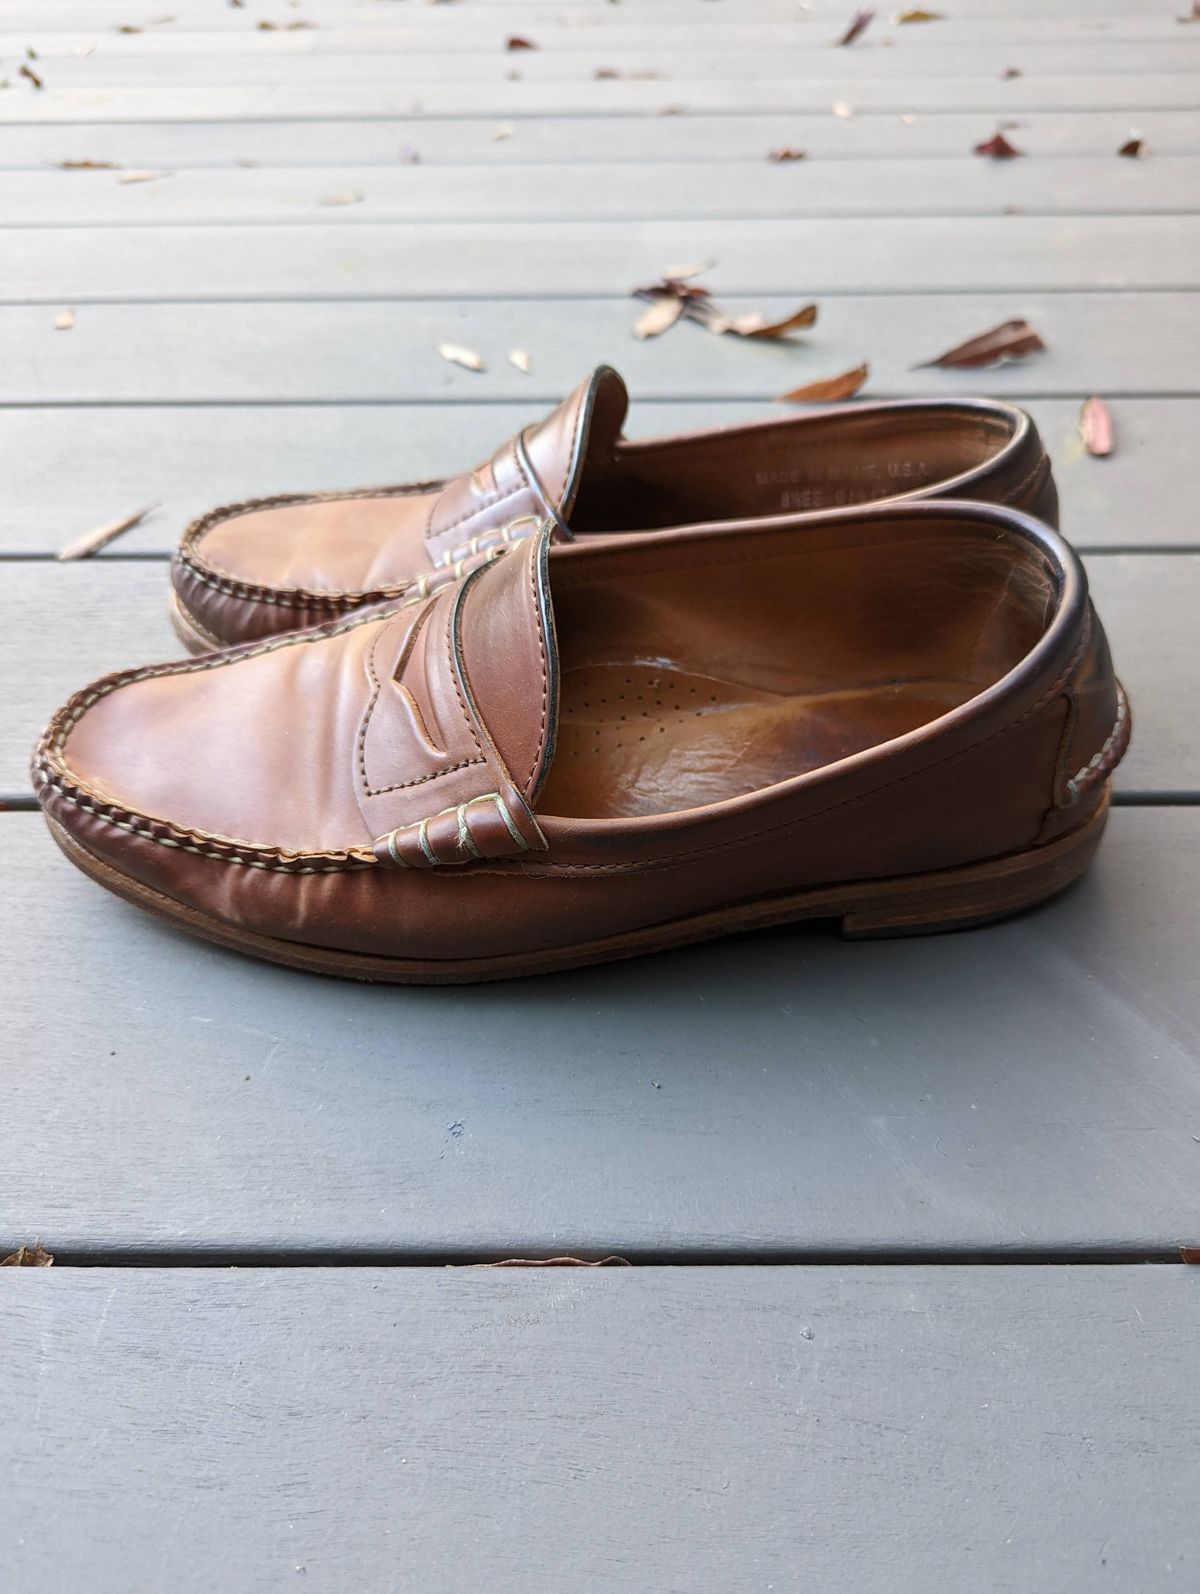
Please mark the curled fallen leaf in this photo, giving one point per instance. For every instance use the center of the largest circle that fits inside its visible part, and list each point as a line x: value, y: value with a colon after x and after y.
x: 665, y: 309
x: 35, y: 1255
x: 27, y: 72
x: 516, y: 42
x: 141, y: 177
x: 917, y: 14
x: 757, y: 326
x: 354, y: 196
x: 1133, y: 148
x: 785, y: 152
x: 998, y: 147
x: 520, y: 358
x: 859, y: 23
x: 458, y: 355
x: 92, y: 541
x: 686, y: 273
x: 830, y: 390
x: 65, y: 321
x: 1011, y: 340
x: 1096, y: 427
x: 558, y: 1261
x: 88, y: 166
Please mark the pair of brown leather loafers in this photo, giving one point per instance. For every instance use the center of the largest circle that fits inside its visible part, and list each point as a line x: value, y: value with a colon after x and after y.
x: 601, y: 697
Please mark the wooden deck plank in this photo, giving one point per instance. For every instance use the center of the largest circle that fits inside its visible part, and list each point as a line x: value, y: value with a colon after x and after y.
x: 165, y: 66
x: 69, y: 469
x: 545, y: 260
x: 694, y: 139
x: 352, y: 195
x: 989, y: 95
x: 1136, y: 344
x: 1031, y: 1085
x: 87, y: 619
x: 384, y: 1429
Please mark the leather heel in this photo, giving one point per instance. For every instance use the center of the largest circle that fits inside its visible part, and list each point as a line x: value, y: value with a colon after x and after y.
x: 954, y: 899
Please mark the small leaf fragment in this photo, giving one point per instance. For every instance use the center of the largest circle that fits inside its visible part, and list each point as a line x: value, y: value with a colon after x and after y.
x: 859, y: 23
x: 27, y: 72
x: 520, y: 358
x: 917, y: 14
x: 1011, y: 340
x: 65, y: 321
x: 785, y: 152
x: 686, y: 273
x: 516, y: 42
x: 1133, y: 148
x: 458, y: 355
x: 556, y: 1261
x: 1010, y: 72
x: 88, y: 166
x: 998, y: 147
x: 1096, y: 427
x: 92, y: 541
x: 353, y: 196
x: 757, y: 326
x: 35, y: 1255
x: 844, y: 110
x: 503, y: 131
x: 830, y: 390
x: 663, y: 313
x: 141, y: 177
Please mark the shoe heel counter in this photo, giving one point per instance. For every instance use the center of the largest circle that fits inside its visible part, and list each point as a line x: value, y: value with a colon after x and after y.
x: 1095, y: 733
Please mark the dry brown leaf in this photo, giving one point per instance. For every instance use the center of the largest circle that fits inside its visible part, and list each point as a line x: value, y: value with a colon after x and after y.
x: 917, y: 15
x: 354, y: 196
x: 1133, y: 147
x: 92, y: 541
x: 757, y: 326
x: 1096, y: 427
x: 458, y: 355
x: 65, y: 321
x: 785, y: 152
x: 284, y: 27
x: 999, y: 148
x: 88, y: 166
x: 830, y: 390
x: 859, y: 23
x: 27, y: 72
x: 35, y: 1255
x: 141, y: 177
x: 520, y: 358
x: 665, y: 309
x: 125, y: 28
x: 1011, y: 340
x: 516, y: 42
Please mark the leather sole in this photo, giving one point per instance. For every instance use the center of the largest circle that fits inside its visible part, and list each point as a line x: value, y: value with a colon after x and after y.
x: 189, y: 631
x: 946, y: 899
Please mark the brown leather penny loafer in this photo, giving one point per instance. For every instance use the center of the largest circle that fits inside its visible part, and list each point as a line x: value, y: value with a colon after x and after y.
x: 253, y: 570
x: 901, y: 719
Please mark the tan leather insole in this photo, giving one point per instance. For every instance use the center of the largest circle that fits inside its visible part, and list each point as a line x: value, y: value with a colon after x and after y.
x: 654, y: 737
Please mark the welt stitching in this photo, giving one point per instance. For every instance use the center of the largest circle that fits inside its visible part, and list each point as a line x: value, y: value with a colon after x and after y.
x: 844, y: 802
x: 537, y: 625
x: 1096, y: 762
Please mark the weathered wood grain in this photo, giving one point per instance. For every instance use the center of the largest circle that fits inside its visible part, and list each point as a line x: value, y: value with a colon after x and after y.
x: 544, y: 260
x: 88, y: 618
x: 708, y: 140
x: 988, y: 95
x: 351, y: 195
x: 66, y: 469
x: 1034, y: 1084
x: 862, y: 1431
x: 1129, y: 344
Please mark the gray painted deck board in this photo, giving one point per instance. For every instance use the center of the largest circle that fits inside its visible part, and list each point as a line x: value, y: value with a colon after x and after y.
x: 1053, y: 186
x: 689, y: 1431
x: 1117, y: 344
x: 988, y: 95
x: 1034, y: 1084
x: 89, y: 618
x: 692, y: 139
x: 69, y: 469
x: 545, y: 260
